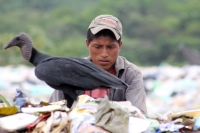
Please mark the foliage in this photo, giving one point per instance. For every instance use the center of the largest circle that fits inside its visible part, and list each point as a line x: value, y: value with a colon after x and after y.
x: 152, y: 30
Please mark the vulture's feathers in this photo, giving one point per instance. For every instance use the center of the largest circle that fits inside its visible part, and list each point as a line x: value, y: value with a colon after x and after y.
x: 66, y: 74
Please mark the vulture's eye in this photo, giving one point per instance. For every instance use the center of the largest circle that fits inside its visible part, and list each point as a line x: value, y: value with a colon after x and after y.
x: 18, y: 38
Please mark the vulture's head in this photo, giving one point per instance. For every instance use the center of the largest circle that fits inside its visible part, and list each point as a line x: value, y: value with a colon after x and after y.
x: 24, y: 42
x: 20, y: 40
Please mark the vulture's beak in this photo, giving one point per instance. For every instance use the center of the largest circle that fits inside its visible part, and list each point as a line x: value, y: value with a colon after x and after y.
x: 8, y: 45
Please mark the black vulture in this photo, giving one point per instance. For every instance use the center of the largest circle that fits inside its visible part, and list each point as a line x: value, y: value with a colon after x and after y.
x: 65, y: 73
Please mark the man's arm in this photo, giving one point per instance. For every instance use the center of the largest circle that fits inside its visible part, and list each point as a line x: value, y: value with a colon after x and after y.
x: 135, y: 93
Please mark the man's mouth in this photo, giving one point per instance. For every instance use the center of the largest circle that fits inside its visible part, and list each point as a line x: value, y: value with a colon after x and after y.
x: 103, y: 62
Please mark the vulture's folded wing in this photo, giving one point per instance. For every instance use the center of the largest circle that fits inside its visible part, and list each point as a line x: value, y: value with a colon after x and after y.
x: 76, y: 72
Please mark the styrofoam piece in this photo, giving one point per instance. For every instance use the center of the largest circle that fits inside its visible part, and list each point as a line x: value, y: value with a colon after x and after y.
x: 17, y: 121
x: 137, y: 125
x: 48, y: 108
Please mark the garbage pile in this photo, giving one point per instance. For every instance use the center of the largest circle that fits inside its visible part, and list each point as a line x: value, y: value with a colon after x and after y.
x: 89, y: 115
x: 172, y: 88
x: 86, y: 115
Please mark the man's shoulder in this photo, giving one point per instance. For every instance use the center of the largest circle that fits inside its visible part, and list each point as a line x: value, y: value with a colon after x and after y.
x: 130, y: 70
x: 126, y: 64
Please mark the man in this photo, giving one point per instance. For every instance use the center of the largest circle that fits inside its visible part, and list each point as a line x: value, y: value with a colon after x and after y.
x: 104, y: 44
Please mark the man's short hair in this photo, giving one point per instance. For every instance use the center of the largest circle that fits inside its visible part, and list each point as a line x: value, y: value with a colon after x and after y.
x: 90, y: 36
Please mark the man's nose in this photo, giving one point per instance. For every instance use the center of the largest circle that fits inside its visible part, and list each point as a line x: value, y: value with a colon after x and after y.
x: 104, y: 53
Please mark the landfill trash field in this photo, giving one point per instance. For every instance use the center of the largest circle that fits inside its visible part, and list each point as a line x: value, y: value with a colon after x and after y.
x: 172, y: 92
x: 23, y: 78
x: 172, y: 88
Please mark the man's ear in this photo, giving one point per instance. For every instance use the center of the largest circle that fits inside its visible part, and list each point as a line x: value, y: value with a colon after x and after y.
x: 87, y: 43
x: 120, y: 45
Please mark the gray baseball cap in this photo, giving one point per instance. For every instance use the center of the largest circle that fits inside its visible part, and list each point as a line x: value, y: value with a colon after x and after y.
x: 106, y: 22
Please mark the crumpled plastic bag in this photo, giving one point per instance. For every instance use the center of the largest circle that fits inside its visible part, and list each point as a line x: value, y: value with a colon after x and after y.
x: 111, y: 117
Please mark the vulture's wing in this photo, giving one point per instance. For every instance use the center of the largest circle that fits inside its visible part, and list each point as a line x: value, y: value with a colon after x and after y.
x: 76, y: 72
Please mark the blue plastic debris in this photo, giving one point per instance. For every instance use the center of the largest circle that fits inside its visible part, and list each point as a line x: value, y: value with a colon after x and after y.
x: 20, y: 99
x: 196, y: 126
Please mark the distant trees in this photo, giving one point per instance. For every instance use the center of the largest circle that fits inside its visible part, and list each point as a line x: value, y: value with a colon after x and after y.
x: 152, y: 30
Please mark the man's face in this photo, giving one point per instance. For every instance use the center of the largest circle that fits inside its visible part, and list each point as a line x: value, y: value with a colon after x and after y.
x: 104, y: 51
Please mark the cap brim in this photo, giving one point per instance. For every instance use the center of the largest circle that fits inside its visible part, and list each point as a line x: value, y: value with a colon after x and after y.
x: 99, y: 28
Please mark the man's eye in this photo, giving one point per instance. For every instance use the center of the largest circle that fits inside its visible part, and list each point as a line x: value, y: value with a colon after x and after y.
x: 111, y: 47
x: 97, y: 47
